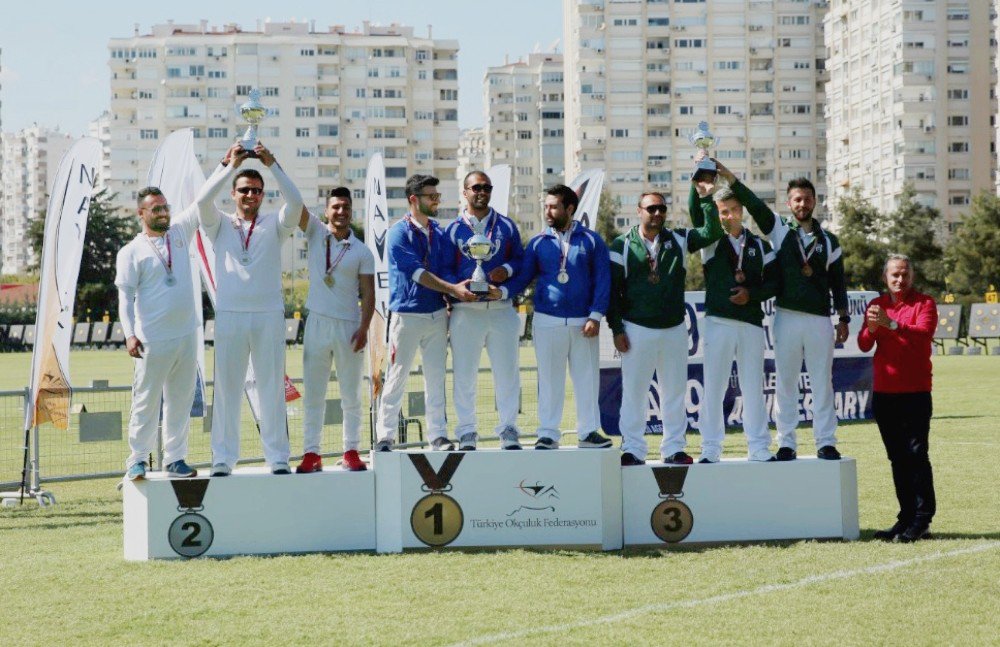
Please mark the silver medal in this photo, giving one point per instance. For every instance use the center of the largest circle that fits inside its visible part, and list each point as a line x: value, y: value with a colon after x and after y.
x: 245, y: 259
x: 171, y: 280
x: 563, y: 276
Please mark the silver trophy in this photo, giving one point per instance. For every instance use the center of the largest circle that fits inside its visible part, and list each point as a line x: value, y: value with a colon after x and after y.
x: 703, y: 139
x: 253, y: 113
x: 479, y: 248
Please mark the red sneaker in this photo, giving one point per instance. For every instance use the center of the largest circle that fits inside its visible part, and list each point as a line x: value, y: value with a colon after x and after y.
x: 353, y: 462
x: 311, y: 462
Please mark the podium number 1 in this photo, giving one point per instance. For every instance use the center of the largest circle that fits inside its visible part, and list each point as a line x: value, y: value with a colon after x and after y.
x: 436, y: 511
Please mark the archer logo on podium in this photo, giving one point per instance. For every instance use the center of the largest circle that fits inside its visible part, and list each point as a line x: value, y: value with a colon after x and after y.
x: 541, y: 495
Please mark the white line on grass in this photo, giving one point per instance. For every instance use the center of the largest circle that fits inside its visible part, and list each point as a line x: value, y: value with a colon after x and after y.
x: 726, y: 597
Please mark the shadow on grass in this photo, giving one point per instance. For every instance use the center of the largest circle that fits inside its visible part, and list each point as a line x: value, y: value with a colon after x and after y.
x: 957, y: 417
x: 61, y: 520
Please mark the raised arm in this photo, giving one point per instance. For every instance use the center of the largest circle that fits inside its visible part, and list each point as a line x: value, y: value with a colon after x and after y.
x: 209, y: 217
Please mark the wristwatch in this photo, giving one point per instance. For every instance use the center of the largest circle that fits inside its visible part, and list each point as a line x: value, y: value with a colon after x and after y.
x: 845, y: 319
x: 893, y: 325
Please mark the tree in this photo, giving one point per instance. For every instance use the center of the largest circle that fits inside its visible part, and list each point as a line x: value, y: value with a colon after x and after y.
x: 913, y: 229
x: 107, y: 232
x: 860, y: 229
x: 973, y: 254
x: 607, y: 209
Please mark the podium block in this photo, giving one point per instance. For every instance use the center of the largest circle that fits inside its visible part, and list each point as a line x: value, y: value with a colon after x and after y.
x: 561, y: 498
x: 251, y: 512
x: 739, y: 500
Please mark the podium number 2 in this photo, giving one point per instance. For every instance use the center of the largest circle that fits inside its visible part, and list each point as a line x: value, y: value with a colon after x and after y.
x: 436, y: 511
x: 191, y: 541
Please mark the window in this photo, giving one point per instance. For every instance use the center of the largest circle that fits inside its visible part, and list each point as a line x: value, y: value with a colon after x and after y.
x: 302, y: 132
x: 958, y: 147
x: 269, y: 92
x: 958, y: 94
x: 305, y: 111
x: 148, y: 133
x: 305, y: 152
x: 524, y: 134
x: 218, y: 133
x: 619, y: 132
x: 307, y: 52
x: 958, y: 174
x: 449, y: 95
x: 243, y: 90
x: 196, y: 70
x: 216, y: 74
x: 958, y: 120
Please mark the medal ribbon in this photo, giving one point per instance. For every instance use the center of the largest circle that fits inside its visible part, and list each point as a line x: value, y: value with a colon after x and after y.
x: 743, y: 245
x: 244, y: 240
x: 651, y: 255
x: 670, y: 480
x: 802, y: 250
x: 436, y: 481
x: 490, y: 217
x: 563, y: 247
x: 168, y: 263
x: 430, y: 236
x: 190, y: 493
x: 343, y: 250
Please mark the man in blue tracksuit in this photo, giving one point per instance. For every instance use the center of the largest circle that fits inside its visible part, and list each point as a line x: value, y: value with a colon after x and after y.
x: 421, y: 272
x: 571, y: 295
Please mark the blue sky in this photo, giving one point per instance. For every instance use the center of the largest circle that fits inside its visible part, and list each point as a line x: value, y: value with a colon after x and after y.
x: 55, y: 53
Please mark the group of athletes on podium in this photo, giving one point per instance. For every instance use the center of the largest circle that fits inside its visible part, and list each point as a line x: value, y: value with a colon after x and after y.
x: 637, y: 285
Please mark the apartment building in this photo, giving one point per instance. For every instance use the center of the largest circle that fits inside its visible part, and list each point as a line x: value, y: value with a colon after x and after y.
x: 641, y: 75
x: 911, y: 98
x: 471, y: 152
x: 30, y: 160
x: 524, y: 105
x: 333, y: 98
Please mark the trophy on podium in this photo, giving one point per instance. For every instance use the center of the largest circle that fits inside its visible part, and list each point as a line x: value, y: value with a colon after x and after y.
x: 703, y: 139
x: 479, y: 248
x: 253, y: 113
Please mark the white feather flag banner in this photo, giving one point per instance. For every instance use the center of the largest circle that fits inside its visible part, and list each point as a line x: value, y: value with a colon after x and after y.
x: 376, y: 229
x: 588, y: 187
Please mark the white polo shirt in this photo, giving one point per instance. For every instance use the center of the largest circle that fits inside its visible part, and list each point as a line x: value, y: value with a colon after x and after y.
x: 255, y: 287
x: 162, y: 311
x: 341, y: 300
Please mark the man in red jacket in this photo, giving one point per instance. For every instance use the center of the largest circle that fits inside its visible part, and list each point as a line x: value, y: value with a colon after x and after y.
x: 900, y: 325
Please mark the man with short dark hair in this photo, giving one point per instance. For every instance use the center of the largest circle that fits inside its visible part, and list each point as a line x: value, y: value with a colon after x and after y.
x: 422, y: 262
x: 340, y: 267
x: 571, y: 295
x: 493, y: 324
x: 811, y: 269
x: 250, y: 307
x: 648, y: 272
x: 156, y: 308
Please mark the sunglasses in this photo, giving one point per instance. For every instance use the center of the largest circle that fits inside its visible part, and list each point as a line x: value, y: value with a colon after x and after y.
x: 655, y: 209
x: 429, y: 196
x: 480, y: 188
x: 158, y: 209
x: 249, y: 190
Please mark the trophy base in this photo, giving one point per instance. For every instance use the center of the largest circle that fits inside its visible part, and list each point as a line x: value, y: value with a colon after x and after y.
x: 479, y: 288
x: 705, y: 175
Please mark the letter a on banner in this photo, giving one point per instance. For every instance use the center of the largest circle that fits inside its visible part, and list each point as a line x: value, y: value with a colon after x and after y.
x: 376, y: 228
x: 588, y: 187
x: 49, y: 389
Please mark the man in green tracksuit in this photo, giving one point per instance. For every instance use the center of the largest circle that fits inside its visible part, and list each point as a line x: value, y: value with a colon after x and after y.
x: 646, y: 315
x: 741, y: 272
x: 811, y: 269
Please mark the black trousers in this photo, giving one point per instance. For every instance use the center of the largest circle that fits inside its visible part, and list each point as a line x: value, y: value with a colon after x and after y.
x: 904, y: 420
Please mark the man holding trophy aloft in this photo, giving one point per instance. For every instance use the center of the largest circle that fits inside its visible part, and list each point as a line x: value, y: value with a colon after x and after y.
x: 491, y: 250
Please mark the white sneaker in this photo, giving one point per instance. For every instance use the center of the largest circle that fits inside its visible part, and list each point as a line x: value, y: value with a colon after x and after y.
x: 761, y: 456
x: 467, y: 443
x: 221, y: 469
x: 509, y: 439
x: 281, y: 469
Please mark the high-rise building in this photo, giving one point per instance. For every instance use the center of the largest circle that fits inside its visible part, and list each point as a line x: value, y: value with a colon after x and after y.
x: 524, y: 128
x: 333, y: 99
x: 911, y: 99
x: 100, y: 129
x: 640, y: 76
x: 471, y: 152
x: 30, y: 160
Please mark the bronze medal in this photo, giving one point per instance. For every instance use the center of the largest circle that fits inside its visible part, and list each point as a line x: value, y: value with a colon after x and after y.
x: 740, y: 276
x: 653, y: 278
x: 671, y: 520
x: 807, y: 270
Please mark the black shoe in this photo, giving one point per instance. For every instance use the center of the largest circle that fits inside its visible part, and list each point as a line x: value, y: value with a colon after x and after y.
x: 828, y: 453
x: 546, y: 443
x: 629, y: 460
x: 913, y: 532
x: 889, y: 534
x: 594, y: 440
x: 680, y: 458
x: 707, y: 461
x: 786, y: 454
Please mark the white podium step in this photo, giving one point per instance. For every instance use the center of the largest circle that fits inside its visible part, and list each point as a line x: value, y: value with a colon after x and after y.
x: 251, y: 512
x: 564, y: 498
x: 738, y: 500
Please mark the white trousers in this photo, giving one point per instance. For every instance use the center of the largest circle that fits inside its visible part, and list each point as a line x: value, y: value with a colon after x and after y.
x: 663, y: 350
x: 555, y: 346
x: 724, y: 340
x: 497, y: 328
x: 407, y: 333
x: 257, y: 338
x: 329, y: 340
x: 798, y: 335
x: 165, y: 373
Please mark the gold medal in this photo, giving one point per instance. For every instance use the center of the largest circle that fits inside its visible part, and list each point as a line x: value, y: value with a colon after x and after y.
x: 328, y: 279
x: 740, y: 276
x: 671, y: 521
x: 437, y: 519
x: 807, y: 270
x: 653, y: 278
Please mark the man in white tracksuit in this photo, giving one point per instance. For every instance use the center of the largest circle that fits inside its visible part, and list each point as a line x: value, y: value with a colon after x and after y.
x: 493, y: 324
x: 249, y: 312
x: 156, y: 307
x: 340, y: 266
x: 421, y: 271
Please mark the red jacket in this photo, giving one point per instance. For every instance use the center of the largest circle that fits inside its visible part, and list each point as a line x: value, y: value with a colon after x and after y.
x: 903, y: 356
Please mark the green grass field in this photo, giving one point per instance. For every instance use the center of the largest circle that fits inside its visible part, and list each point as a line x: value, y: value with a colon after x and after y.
x: 64, y: 580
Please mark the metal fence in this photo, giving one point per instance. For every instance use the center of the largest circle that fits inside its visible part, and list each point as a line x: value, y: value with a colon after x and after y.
x: 96, y: 443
